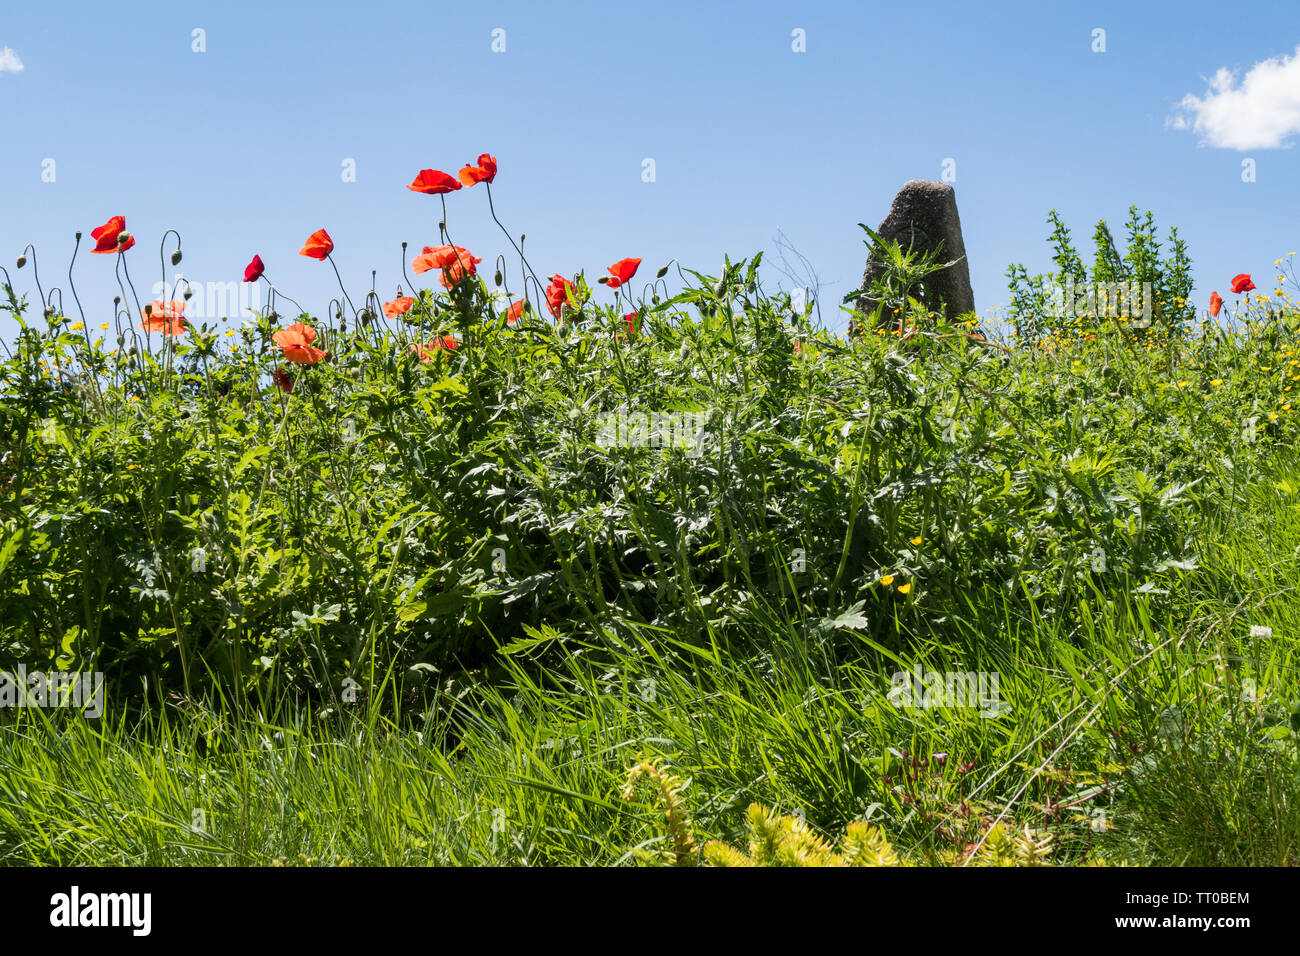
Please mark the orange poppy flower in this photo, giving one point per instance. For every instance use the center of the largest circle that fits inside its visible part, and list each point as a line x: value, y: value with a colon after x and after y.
x: 484, y: 172
x: 441, y: 257
x: 1216, y: 303
x: 458, y: 270
x: 164, y: 317
x: 319, y: 245
x: 430, y: 351
x: 106, y: 236
x: 399, y: 306
x: 431, y: 182
x: 622, y: 271
x: 296, y: 343
x: 1241, y: 283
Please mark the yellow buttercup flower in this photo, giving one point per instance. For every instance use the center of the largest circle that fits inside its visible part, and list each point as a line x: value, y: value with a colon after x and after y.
x: 886, y: 579
x: 916, y: 540
x: 904, y: 588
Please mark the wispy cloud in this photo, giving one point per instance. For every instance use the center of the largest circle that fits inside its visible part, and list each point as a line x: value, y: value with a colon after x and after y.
x: 9, y: 62
x: 1260, y: 112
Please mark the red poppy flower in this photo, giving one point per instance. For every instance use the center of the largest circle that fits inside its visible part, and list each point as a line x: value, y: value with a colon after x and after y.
x: 514, y: 312
x: 1242, y: 283
x: 457, y: 270
x: 283, y: 380
x: 253, y: 271
x: 557, y: 294
x: 106, y: 236
x: 622, y: 271
x: 442, y: 257
x: 399, y: 306
x: 1216, y: 303
x: 633, y: 320
x: 431, y: 182
x: 296, y: 343
x: 484, y: 172
x: 430, y: 351
x: 164, y: 317
x: 319, y: 245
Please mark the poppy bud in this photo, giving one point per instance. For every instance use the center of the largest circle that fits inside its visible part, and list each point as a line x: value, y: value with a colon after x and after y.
x: 343, y: 323
x: 367, y: 316
x: 497, y: 278
x: 442, y: 226
x: 603, y: 279
x: 148, y: 310
x: 123, y: 237
x: 78, y: 235
x: 176, y: 258
x: 654, y: 299
x: 22, y: 261
x: 117, y: 300
x: 120, y: 339
x: 663, y: 271
x: 132, y: 351
x: 49, y: 311
x: 189, y: 294
x: 721, y: 285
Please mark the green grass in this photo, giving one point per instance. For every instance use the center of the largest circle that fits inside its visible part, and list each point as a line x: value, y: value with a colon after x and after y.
x: 527, y: 767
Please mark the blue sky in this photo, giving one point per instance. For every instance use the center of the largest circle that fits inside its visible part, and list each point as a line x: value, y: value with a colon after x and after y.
x: 241, y: 147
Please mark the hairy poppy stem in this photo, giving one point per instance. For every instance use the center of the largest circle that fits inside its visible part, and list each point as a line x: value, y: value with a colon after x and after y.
x: 80, y: 311
x: 135, y: 337
x: 36, y: 274
x: 510, y: 238
x: 344, y: 290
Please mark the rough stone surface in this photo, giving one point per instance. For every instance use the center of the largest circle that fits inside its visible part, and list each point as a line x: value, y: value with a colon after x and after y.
x: 924, y: 214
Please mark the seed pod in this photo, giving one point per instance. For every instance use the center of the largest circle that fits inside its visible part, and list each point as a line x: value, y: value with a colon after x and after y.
x: 148, y: 310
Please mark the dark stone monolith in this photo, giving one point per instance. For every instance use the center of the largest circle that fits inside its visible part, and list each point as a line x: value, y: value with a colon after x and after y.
x: 924, y: 217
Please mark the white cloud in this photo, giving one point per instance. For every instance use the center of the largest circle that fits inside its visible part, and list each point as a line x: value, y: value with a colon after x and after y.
x: 9, y: 62
x: 1260, y: 112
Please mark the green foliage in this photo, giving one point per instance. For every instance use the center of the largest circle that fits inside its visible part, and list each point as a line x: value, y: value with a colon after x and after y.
x: 1074, y: 301
x: 520, y: 603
